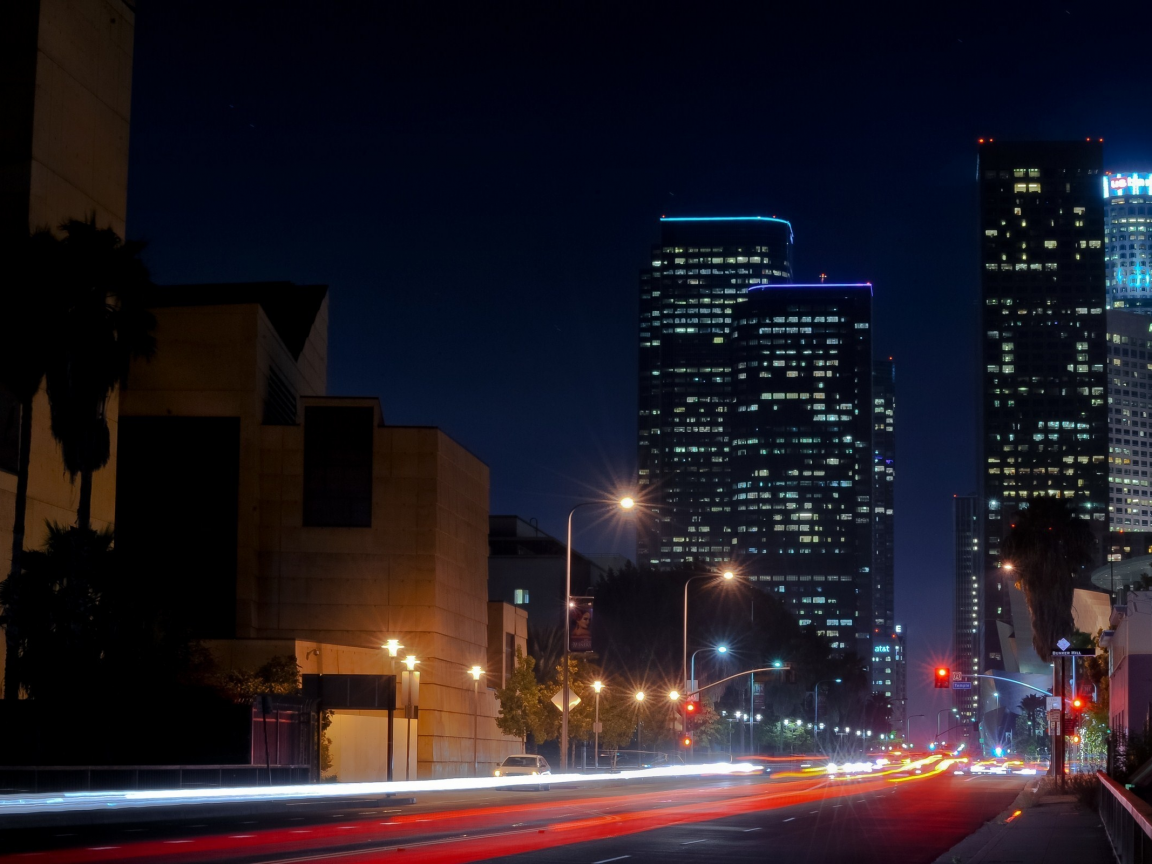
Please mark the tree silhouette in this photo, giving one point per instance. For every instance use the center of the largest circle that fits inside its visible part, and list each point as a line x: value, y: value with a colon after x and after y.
x: 103, y: 324
x: 28, y: 326
x: 1046, y: 547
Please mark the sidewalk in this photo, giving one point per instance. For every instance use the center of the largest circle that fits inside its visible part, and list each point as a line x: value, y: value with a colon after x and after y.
x: 1051, y: 829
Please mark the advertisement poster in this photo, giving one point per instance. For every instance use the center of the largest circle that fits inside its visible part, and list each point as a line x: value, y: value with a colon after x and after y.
x: 580, y: 625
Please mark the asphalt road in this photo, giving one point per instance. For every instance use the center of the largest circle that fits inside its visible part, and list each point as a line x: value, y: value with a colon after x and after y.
x: 902, y: 818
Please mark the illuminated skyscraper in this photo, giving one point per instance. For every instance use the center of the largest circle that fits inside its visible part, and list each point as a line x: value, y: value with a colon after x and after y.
x: 1044, y: 401
x: 884, y: 669
x: 967, y: 568
x: 802, y: 457
x: 699, y: 278
x: 1130, y: 406
x: 1127, y: 231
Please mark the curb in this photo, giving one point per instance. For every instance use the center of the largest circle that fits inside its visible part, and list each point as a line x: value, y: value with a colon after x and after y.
x: 987, y: 834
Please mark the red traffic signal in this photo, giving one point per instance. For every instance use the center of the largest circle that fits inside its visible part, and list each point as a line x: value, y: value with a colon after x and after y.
x: 690, y: 707
x: 942, y: 681
x: 1077, y: 703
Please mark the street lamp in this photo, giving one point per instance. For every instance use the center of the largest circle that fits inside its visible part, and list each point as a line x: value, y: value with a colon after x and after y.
x: 625, y: 503
x: 938, y: 713
x: 597, y: 686
x: 816, y: 702
x: 719, y: 649
x: 476, y: 672
x: 725, y: 576
x: 639, y: 701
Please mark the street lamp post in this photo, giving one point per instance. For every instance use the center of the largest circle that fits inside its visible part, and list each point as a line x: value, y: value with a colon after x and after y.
x: 938, y: 713
x: 816, y: 704
x: 476, y: 672
x: 727, y: 576
x: 624, y: 504
x: 908, y: 725
x: 639, y: 723
x: 720, y: 649
x: 597, y: 686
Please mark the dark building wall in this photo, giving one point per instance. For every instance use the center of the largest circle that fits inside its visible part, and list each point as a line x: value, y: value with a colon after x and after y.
x: 1044, y: 399
x: 524, y: 559
x: 177, y: 484
x: 801, y: 463
x: 689, y: 298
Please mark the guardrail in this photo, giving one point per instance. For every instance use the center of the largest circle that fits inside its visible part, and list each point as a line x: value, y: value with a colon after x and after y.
x: 89, y: 778
x: 1127, y: 821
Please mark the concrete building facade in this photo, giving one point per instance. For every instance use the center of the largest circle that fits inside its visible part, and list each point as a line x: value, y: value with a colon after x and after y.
x: 321, y: 522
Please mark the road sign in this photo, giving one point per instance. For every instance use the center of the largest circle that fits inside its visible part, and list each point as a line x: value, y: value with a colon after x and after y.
x: 957, y: 676
x: 1075, y: 652
x: 961, y: 685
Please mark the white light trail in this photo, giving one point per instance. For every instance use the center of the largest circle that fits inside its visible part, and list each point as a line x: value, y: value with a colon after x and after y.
x: 71, y: 802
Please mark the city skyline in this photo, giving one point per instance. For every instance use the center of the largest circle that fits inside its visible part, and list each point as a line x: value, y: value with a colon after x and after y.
x: 560, y: 196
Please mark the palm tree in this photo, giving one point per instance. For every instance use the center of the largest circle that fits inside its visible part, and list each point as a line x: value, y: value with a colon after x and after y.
x: 27, y: 328
x: 104, y: 324
x: 1046, y: 547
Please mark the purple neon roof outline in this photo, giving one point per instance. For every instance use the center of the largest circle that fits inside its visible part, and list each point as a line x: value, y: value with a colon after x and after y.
x: 779, y: 285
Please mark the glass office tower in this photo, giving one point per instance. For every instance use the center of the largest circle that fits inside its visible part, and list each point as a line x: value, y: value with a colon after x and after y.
x: 698, y: 279
x: 884, y: 670
x: 1044, y: 403
x: 801, y: 454
x: 1127, y: 222
x: 967, y: 567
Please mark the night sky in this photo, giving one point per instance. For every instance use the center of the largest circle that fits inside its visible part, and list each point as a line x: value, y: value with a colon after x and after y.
x: 479, y: 185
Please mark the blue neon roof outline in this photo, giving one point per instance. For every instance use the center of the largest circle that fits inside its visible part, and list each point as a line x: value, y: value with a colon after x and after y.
x: 791, y: 232
x: 778, y: 285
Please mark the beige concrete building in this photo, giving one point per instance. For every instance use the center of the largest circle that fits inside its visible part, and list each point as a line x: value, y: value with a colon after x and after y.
x: 65, y: 106
x: 317, y: 521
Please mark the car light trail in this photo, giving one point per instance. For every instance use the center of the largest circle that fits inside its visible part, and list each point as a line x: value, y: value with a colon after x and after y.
x: 16, y: 805
x: 488, y: 823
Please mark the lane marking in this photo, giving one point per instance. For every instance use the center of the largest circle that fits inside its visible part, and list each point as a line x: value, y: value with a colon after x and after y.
x: 690, y: 842
x: 810, y: 812
x: 746, y: 830
x: 607, y: 860
x: 790, y: 819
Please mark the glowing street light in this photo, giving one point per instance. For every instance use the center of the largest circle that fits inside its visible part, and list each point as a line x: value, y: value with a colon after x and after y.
x: 674, y: 695
x: 625, y: 503
x: 410, y: 661
x: 597, y: 686
x: 392, y: 646
x: 475, y: 672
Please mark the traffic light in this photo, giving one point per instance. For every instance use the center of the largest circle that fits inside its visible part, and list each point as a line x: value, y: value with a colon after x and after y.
x: 943, y: 679
x: 687, y: 742
x: 1077, y: 703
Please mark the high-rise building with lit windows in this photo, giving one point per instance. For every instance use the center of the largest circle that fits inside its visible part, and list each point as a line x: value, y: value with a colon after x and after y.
x: 802, y: 454
x: 967, y: 568
x: 1044, y: 406
x: 1130, y: 412
x: 884, y: 667
x: 699, y: 278
x: 1127, y: 232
